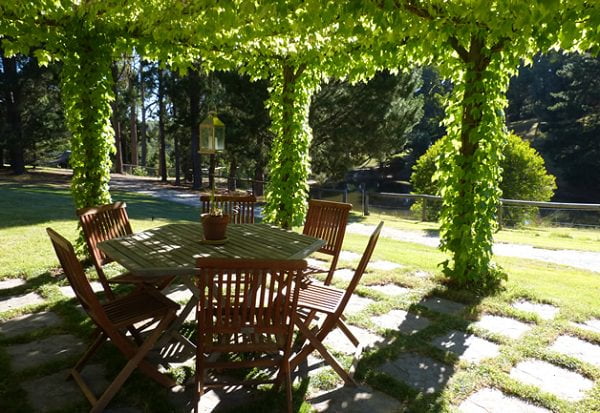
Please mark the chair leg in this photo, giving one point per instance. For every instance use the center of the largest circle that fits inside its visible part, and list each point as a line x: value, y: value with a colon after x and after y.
x: 100, y: 339
x: 173, y: 329
x: 316, y: 344
x: 136, y: 360
x: 288, y: 383
x: 330, y: 273
x: 346, y: 330
x: 199, y: 380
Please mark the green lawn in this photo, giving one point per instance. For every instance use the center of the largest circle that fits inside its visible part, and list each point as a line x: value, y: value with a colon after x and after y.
x: 554, y: 238
x: 27, y: 208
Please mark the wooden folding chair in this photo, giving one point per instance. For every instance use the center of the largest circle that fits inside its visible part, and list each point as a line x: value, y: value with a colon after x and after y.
x: 105, y: 222
x: 330, y: 303
x: 112, y: 320
x: 239, y: 208
x: 327, y: 220
x: 246, y: 306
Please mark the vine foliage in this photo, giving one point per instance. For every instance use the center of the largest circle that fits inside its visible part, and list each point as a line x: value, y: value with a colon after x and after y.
x: 289, y: 163
x: 86, y: 86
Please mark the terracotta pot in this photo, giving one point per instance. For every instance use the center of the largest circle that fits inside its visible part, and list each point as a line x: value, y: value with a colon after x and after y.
x: 214, y: 226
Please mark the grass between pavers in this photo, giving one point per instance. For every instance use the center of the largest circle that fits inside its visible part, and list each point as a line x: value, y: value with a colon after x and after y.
x: 574, y: 291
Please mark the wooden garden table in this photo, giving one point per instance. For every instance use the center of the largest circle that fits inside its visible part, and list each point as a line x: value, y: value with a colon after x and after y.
x: 173, y: 249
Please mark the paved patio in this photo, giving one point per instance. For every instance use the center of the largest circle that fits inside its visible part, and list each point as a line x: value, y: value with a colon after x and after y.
x: 34, y: 338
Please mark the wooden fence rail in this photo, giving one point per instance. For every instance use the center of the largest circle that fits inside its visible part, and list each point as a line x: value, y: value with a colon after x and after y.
x: 503, y: 202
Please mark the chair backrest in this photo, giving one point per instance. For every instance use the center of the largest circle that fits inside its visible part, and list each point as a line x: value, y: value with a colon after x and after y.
x: 76, y: 275
x: 248, y: 297
x: 101, y: 223
x: 327, y: 220
x: 240, y: 208
x: 360, y: 270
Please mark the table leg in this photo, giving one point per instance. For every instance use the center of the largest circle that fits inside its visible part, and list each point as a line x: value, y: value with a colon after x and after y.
x: 173, y: 330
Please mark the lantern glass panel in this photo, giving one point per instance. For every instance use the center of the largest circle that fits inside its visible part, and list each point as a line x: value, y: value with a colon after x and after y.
x: 206, y: 140
x: 219, y: 138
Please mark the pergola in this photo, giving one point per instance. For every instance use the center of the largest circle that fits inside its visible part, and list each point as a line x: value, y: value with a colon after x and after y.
x: 478, y: 44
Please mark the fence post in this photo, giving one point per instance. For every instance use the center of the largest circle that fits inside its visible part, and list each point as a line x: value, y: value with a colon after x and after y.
x: 500, y: 216
x: 364, y: 199
x: 424, y: 210
x: 345, y: 195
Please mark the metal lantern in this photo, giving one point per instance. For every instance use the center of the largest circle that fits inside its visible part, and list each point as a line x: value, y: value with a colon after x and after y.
x: 212, y: 134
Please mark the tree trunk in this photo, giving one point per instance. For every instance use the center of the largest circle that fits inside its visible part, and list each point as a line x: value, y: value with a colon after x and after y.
x: 143, y: 137
x: 133, y: 119
x: 177, y: 160
x: 258, y: 186
x: 211, y: 171
x: 231, y: 179
x: 12, y: 96
x: 116, y: 123
x: 162, y: 155
x: 194, y: 96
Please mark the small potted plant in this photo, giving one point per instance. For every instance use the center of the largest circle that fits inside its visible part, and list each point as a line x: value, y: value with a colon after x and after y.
x: 214, y: 222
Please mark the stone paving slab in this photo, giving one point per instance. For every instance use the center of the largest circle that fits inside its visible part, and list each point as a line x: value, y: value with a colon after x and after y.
x: 505, y: 326
x: 420, y: 274
x: 441, y: 305
x: 384, y: 265
x: 54, y: 392
x: 552, y: 379
x: 213, y: 400
x: 390, y: 289
x: 359, y: 399
x: 400, y: 320
x: 494, y: 401
x: 32, y: 354
x: 343, y: 274
x: 178, y: 293
x: 580, y: 349
x: 16, y: 301
x: 11, y: 283
x: 356, y: 304
x: 592, y: 325
x: 29, y: 322
x: 419, y: 372
x: 467, y: 347
x: 544, y: 311
x: 338, y: 340
x: 349, y: 256
x: 316, y: 263
x: 67, y: 290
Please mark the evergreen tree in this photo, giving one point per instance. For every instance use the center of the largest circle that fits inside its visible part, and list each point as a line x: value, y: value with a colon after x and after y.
x: 354, y: 124
x: 572, y: 143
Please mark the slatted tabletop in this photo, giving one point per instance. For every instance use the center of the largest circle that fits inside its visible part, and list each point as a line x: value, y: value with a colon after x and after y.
x: 173, y: 248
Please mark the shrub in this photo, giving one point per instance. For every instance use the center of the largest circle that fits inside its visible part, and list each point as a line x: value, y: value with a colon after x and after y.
x: 524, y: 176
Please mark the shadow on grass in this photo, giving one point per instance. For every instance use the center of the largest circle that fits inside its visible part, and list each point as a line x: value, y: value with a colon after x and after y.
x: 408, y: 366
x: 35, y: 204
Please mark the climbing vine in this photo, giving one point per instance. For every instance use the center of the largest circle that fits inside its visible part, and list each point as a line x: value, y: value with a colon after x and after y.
x: 86, y: 86
x: 469, y: 171
x: 289, y: 164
